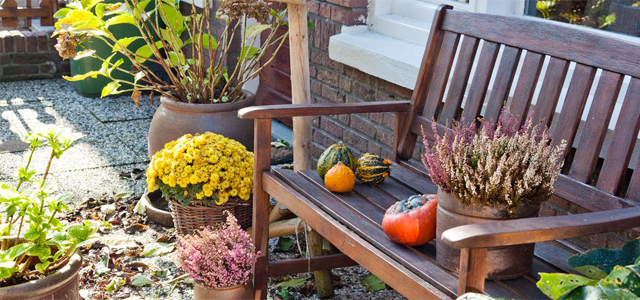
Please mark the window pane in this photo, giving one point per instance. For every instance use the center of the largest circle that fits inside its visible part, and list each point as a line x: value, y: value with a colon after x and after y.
x: 621, y: 16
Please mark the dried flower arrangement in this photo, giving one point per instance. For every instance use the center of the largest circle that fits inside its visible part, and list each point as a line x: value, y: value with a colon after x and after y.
x: 202, y: 167
x: 192, y: 58
x: 503, y: 165
x: 218, y: 257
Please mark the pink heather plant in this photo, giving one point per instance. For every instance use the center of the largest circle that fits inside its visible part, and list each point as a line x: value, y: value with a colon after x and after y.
x: 218, y: 257
x: 503, y: 165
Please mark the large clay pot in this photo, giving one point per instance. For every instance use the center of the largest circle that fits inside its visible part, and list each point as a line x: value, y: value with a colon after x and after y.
x: 174, y: 119
x: 237, y: 292
x: 502, y: 262
x: 63, y: 284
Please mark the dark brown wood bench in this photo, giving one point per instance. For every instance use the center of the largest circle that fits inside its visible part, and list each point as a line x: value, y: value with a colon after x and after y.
x: 602, y: 185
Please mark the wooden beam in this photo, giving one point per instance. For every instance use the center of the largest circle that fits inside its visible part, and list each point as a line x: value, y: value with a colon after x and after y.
x: 301, y: 265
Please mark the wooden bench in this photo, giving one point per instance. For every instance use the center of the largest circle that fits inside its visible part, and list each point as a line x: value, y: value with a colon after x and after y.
x: 604, y: 186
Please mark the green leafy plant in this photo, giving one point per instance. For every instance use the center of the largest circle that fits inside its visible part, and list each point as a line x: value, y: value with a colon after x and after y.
x: 586, y: 13
x: 609, y: 274
x: 34, y: 242
x: 193, y: 59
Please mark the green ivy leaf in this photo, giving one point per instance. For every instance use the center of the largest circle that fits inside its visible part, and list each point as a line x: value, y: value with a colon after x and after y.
x: 556, y: 285
x: 172, y: 17
x: 80, y: 232
x: 248, y: 52
x: 285, y: 243
x: 110, y: 89
x: 291, y: 283
x: 373, y: 283
x: 62, y: 13
x: 78, y: 77
x: 141, y: 280
x: 41, y: 267
x: 588, y: 263
x: 157, y: 249
x: 121, y: 19
x: 124, y: 43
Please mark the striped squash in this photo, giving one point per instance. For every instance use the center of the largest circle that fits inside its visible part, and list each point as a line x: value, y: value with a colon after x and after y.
x: 334, y: 154
x: 371, y: 168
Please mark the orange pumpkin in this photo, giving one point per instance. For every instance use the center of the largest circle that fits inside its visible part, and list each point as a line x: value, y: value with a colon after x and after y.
x: 412, y: 221
x: 340, y: 178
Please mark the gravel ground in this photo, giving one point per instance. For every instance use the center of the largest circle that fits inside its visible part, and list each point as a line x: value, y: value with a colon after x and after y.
x: 104, y: 171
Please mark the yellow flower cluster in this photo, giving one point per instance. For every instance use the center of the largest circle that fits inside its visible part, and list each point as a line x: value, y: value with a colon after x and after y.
x: 74, y: 16
x: 203, y: 167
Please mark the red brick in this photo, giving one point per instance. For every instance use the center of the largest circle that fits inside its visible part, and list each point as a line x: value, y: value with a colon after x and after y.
x: 332, y: 127
x: 9, y: 43
x: 313, y: 7
x: 355, y: 140
x: 363, y: 91
x: 358, y: 76
x: 43, y: 40
x: 316, y: 87
x: 324, y: 10
x: 20, y: 70
x: 344, y: 84
x: 331, y: 94
x: 31, y: 41
x: 363, y: 125
x: 48, y: 68
x: 349, y: 17
x: 5, y: 59
x: 385, y: 136
x: 328, y: 77
x: 344, y: 119
x: 19, y: 41
x: 389, y: 120
x: 30, y: 58
x: 350, y: 3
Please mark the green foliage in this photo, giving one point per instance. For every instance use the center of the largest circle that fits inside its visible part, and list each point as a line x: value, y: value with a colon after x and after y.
x: 612, y: 274
x: 373, y: 283
x: 167, y: 36
x: 29, y: 209
x: 587, y: 13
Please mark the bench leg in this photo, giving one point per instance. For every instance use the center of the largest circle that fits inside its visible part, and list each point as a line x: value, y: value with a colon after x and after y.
x: 324, y: 285
x: 260, y: 221
x: 472, y: 270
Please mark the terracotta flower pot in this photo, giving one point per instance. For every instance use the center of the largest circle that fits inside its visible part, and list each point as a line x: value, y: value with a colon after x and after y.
x: 174, y: 119
x: 62, y: 284
x: 237, y: 292
x: 156, y: 214
x: 502, y: 262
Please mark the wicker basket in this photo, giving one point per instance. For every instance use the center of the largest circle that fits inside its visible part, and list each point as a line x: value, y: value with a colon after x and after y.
x: 196, y: 215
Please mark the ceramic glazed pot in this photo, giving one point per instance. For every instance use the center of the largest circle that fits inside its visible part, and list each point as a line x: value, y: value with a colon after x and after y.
x: 174, y: 119
x: 502, y: 262
x: 63, y: 284
x: 237, y: 292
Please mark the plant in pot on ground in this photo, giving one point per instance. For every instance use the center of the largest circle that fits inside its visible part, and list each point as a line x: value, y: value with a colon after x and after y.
x: 202, y: 175
x: 38, y: 251
x: 502, y: 171
x: 220, y: 259
x: 200, y: 71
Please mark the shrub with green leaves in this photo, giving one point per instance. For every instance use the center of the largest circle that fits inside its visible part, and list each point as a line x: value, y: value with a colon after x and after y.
x: 196, y: 61
x: 610, y: 274
x: 33, y: 241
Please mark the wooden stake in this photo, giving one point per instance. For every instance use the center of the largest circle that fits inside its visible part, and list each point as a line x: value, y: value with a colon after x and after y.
x: 324, y: 285
x: 282, y: 228
x: 279, y: 212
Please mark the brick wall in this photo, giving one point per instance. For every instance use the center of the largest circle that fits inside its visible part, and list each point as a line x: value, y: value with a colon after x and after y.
x: 26, y: 54
x: 332, y: 82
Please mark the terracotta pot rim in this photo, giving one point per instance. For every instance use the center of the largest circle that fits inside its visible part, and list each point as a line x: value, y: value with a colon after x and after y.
x: 209, y: 107
x: 45, y: 285
x: 451, y: 202
x: 157, y: 215
x: 226, y: 288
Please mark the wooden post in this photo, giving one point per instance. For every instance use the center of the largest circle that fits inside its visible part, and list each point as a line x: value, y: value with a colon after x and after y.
x: 301, y: 94
x: 300, y: 84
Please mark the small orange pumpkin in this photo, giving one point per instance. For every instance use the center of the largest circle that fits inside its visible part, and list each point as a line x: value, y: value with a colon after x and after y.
x: 340, y: 178
x: 412, y: 221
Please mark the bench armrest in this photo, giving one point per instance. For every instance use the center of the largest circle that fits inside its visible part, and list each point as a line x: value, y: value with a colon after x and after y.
x: 304, y: 110
x: 531, y: 230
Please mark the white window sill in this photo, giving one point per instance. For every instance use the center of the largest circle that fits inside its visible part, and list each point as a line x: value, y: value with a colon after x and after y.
x: 380, y: 55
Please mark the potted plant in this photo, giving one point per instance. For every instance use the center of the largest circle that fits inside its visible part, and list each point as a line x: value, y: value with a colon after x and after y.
x: 502, y: 171
x: 190, y: 66
x: 220, y: 259
x: 38, y: 253
x: 69, y: 45
x: 202, y: 175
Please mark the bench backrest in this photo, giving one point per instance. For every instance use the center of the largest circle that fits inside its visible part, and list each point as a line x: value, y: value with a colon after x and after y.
x: 464, y: 45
